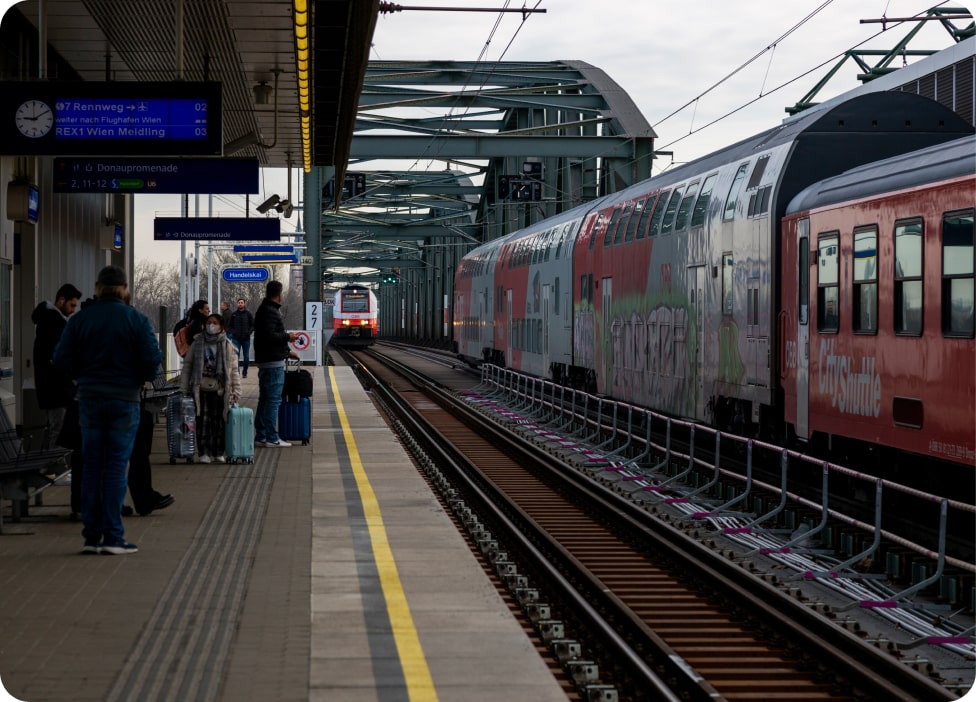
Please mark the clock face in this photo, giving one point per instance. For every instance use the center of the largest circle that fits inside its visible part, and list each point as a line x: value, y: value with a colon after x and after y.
x: 34, y: 118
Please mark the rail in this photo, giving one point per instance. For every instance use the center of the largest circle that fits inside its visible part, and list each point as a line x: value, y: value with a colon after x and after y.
x: 582, y: 420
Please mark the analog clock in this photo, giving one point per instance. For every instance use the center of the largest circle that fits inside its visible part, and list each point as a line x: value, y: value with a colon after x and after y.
x: 34, y: 118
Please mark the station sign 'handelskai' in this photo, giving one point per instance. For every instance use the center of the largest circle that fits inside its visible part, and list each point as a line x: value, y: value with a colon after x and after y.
x: 114, y: 118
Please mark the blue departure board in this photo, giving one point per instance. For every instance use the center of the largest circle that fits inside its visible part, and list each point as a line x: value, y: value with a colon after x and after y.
x: 121, y: 118
x: 131, y: 119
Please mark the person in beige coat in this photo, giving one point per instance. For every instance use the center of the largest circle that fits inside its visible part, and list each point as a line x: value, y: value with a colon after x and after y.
x: 210, y: 374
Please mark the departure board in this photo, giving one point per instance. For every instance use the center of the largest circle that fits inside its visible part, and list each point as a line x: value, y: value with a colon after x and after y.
x: 175, y: 118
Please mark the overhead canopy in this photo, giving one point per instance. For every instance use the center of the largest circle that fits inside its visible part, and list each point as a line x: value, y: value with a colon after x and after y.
x: 241, y: 44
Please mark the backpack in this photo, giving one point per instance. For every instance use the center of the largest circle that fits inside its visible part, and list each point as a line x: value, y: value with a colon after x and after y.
x: 181, y: 337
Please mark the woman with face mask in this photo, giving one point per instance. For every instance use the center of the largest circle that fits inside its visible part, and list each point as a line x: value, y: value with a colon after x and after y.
x: 210, y: 374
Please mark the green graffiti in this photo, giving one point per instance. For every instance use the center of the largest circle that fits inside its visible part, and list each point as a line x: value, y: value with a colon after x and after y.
x: 731, y: 369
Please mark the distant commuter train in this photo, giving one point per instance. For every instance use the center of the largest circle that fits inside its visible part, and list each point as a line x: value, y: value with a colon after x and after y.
x: 354, y: 316
x: 810, y: 281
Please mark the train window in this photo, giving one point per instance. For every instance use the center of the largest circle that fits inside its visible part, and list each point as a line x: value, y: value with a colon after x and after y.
x: 958, y: 262
x: 354, y: 301
x: 733, y: 196
x: 757, y: 173
x: 635, y: 217
x: 655, y: 227
x: 684, y: 210
x: 669, y: 212
x: 595, y: 229
x: 641, y: 228
x: 727, y: 269
x: 501, y: 299
x: 555, y: 292
x: 828, y: 283
x: 611, y: 226
x: 865, y: 284
x: 625, y: 217
x: 908, y: 277
x: 701, y: 205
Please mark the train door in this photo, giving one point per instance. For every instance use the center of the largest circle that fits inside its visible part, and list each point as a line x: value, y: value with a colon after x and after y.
x: 696, y: 295
x: 545, y: 330
x: 511, y: 328
x: 604, y: 346
x: 803, y: 331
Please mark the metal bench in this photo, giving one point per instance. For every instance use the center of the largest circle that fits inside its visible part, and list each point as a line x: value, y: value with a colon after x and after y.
x: 26, y: 472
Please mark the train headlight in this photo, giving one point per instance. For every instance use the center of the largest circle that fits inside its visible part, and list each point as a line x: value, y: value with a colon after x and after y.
x: 365, y: 322
x: 345, y: 322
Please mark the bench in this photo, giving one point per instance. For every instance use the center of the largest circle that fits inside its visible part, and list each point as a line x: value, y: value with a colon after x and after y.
x: 156, y: 394
x: 26, y: 472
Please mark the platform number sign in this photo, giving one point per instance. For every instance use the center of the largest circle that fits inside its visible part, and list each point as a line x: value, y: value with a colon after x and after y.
x: 313, y: 316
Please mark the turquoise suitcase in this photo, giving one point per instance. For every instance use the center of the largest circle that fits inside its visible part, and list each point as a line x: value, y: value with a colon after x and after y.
x: 239, y: 437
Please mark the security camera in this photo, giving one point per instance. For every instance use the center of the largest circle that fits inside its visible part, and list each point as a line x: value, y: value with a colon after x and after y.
x: 285, y: 207
x: 268, y: 204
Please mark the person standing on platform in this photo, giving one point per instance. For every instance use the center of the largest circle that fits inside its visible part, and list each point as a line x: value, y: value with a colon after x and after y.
x: 210, y: 375
x: 110, y: 350
x: 225, y: 314
x: 270, y: 352
x: 55, y: 391
x: 239, y: 330
x: 196, y: 319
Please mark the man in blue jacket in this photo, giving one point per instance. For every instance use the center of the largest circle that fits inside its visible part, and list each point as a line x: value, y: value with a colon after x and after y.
x: 110, y: 350
x: 270, y: 352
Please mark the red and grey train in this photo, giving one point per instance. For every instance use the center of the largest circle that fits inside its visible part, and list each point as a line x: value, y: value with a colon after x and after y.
x: 354, y: 317
x: 814, y: 281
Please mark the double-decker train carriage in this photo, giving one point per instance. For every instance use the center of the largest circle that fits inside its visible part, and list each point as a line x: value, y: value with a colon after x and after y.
x: 354, y: 316
x: 877, y: 322
x: 668, y: 294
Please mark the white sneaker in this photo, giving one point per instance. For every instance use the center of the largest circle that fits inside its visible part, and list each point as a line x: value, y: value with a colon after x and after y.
x: 204, y: 459
x: 280, y: 443
x: 220, y: 459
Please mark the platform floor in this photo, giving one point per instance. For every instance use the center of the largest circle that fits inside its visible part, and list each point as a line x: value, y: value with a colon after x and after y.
x: 327, y: 573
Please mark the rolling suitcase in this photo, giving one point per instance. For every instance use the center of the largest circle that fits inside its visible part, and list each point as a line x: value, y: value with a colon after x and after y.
x: 181, y: 423
x: 295, y: 420
x: 239, y: 437
x: 298, y: 382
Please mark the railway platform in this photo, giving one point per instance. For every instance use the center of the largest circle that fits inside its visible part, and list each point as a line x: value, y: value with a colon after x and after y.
x: 320, y: 572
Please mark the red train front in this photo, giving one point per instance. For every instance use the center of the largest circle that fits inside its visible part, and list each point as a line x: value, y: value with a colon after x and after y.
x: 877, y: 306
x: 354, y: 316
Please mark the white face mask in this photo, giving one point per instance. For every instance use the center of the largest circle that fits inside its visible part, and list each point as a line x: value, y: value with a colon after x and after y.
x: 212, y: 329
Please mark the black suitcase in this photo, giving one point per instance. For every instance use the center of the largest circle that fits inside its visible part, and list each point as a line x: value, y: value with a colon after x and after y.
x: 298, y: 384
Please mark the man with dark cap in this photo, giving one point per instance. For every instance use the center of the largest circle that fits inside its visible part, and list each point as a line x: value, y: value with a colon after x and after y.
x: 110, y: 350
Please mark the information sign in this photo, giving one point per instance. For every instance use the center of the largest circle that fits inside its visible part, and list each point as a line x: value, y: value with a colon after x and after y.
x: 117, y: 118
x: 245, y: 275
x: 156, y: 175
x: 313, y: 315
x: 217, y: 228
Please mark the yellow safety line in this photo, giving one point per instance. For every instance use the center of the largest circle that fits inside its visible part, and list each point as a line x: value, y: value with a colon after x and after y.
x: 420, y: 686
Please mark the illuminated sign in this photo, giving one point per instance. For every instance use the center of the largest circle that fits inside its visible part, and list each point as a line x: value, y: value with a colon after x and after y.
x: 245, y: 275
x: 217, y: 228
x: 110, y: 118
x: 156, y: 175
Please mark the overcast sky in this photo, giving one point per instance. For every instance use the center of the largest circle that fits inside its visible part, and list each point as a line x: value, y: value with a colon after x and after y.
x: 665, y: 55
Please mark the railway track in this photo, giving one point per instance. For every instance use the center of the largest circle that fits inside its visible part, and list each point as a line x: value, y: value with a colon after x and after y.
x: 632, y: 606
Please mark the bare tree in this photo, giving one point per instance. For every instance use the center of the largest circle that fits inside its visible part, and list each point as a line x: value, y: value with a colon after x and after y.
x: 156, y: 284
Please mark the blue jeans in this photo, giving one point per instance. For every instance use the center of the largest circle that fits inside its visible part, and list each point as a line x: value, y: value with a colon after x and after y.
x: 271, y: 381
x: 108, y: 434
x: 243, y: 351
